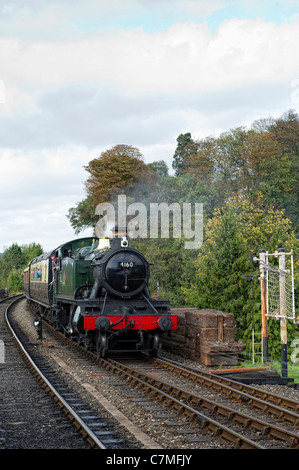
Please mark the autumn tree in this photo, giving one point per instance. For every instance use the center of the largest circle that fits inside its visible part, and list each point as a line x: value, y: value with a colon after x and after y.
x: 118, y: 170
x: 263, y: 159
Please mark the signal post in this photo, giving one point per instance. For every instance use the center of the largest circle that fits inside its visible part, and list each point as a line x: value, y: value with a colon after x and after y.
x: 283, y: 320
x: 265, y: 341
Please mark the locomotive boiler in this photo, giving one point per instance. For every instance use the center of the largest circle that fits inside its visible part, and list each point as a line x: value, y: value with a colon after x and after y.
x: 96, y: 292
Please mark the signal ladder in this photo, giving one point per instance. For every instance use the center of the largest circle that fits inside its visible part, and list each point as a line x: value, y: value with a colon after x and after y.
x: 257, y: 344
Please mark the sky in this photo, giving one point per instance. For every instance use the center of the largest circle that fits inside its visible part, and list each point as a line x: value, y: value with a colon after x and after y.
x: 80, y: 76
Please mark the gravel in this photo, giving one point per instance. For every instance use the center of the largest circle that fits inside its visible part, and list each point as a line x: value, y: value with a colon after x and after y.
x: 29, y: 418
x: 162, y: 425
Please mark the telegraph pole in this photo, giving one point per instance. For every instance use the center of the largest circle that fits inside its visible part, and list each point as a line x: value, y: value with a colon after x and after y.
x: 264, y: 306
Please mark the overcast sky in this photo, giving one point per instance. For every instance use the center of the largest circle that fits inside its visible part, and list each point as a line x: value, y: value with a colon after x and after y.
x: 80, y: 76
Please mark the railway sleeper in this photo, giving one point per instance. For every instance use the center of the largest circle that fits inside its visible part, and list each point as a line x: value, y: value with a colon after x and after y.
x: 201, y: 422
x: 264, y: 430
x: 280, y: 401
x: 259, y: 406
x: 282, y: 436
x: 294, y: 442
x: 222, y: 433
x: 226, y: 435
x: 292, y: 420
x: 239, y: 419
x: 165, y: 388
x: 284, y: 416
x: 214, y: 429
x: 229, y: 415
x: 196, y: 401
x: 279, y: 413
x: 211, y: 407
x: 231, y: 393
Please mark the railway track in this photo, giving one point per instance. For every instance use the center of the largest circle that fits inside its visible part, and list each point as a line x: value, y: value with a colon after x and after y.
x: 213, y: 409
x: 203, y: 410
x: 81, y: 418
x: 27, y: 413
x: 285, y: 408
x: 222, y: 419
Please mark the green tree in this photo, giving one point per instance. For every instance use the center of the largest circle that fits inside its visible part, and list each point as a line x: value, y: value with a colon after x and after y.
x: 14, y: 281
x: 13, y: 262
x: 12, y: 259
x: 171, y: 267
x: 185, y: 147
x: 30, y: 251
x: 286, y: 131
x: 262, y: 159
x: 241, y: 227
x: 82, y: 215
x: 159, y: 167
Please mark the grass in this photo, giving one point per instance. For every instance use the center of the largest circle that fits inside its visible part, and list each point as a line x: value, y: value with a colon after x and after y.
x: 293, y: 369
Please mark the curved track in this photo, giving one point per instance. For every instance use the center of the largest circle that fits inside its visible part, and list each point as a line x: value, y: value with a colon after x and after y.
x: 83, y: 427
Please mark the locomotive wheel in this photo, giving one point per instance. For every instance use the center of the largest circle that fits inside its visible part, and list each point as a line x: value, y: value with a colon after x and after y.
x: 102, y: 344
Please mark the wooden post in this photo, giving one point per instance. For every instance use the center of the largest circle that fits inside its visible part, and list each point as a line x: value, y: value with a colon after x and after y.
x: 220, y: 321
x: 283, y: 320
x: 252, y: 277
x: 264, y: 307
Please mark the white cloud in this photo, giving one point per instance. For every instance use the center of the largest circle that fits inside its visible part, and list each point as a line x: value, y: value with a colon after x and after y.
x: 40, y: 224
x: 80, y: 89
x: 67, y: 99
x: 37, y: 190
x: 137, y: 87
x: 185, y: 57
x: 43, y: 174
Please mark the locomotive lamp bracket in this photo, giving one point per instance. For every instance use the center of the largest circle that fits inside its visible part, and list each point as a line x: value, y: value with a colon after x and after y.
x: 124, y: 242
x: 38, y: 324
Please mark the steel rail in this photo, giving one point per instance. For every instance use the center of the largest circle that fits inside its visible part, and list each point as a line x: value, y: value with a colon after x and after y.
x: 84, y: 430
x: 232, y: 390
x: 268, y: 430
x: 256, y: 392
x: 206, y: 422
x: 5, y: 299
